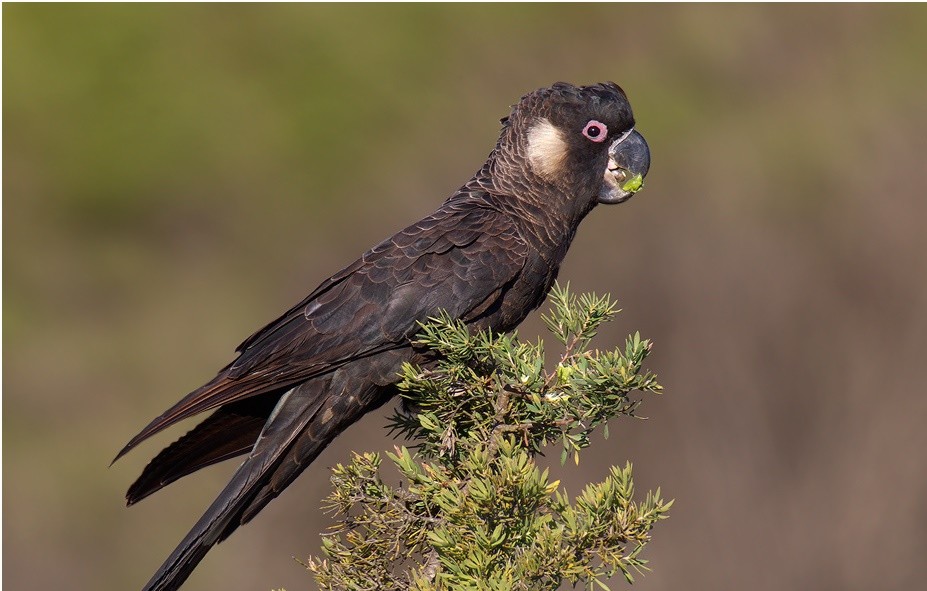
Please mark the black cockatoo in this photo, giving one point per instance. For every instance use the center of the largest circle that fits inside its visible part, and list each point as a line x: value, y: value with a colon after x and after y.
x: 487, y: 256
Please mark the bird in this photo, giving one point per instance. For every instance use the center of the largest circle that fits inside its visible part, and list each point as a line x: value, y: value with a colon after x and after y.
x: 487, y: 257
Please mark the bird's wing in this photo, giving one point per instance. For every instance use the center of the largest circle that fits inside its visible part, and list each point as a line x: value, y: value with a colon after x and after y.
x: 457, y: 260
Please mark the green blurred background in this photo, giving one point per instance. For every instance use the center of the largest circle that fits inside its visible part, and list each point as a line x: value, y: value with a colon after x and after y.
x: 176, y: 175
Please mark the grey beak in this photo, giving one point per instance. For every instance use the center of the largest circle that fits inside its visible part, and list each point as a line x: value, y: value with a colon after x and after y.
x: 628, y: 163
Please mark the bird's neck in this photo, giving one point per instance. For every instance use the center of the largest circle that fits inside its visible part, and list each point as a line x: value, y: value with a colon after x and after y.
x: 546, y: 216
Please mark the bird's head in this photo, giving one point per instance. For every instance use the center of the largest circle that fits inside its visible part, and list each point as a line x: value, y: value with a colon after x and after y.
x: 578, y: 139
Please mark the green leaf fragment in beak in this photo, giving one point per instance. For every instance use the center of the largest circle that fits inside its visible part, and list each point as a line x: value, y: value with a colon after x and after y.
x: 634, y: 184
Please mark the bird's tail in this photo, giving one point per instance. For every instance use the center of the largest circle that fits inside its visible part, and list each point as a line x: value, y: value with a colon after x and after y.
x: 288, y: 420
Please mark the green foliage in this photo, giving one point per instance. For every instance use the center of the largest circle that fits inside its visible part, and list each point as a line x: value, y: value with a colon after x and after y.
x: 474, y: 511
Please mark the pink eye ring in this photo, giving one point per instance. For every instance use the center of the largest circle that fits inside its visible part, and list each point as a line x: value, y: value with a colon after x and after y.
x: 595, y: 131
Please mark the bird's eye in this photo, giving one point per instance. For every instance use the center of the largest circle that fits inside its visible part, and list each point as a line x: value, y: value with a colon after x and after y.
x: 595, y: 131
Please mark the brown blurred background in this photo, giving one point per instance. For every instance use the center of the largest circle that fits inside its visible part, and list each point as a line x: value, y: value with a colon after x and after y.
x: 175, y: 176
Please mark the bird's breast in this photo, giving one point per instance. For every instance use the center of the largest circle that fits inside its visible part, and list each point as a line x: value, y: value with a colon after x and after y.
x: 526, y: 293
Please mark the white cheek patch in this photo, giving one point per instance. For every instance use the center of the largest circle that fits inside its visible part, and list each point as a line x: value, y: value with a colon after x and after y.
x: 547, y: 150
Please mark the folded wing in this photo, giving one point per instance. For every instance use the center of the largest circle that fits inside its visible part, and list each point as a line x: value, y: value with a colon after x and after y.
x: 371, y: 306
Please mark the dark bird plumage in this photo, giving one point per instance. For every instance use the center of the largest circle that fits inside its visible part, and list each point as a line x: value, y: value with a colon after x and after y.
x: 487, y: 256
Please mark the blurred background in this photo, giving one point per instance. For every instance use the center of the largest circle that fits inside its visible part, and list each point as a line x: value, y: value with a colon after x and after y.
x: 174, y: 176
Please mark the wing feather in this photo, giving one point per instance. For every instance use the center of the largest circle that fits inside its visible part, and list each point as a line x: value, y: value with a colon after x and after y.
x: 456, y: 260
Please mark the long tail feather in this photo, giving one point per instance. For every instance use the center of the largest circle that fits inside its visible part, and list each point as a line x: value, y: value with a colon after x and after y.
x: 288, y: 419
x: 228, y: 432
x: 218, y: 392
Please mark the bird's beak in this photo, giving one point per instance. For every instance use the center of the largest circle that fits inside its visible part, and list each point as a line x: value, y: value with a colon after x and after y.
x: 628, y: 163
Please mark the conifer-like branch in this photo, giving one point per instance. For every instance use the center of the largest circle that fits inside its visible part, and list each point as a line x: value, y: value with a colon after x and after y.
x: 474, y: 511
